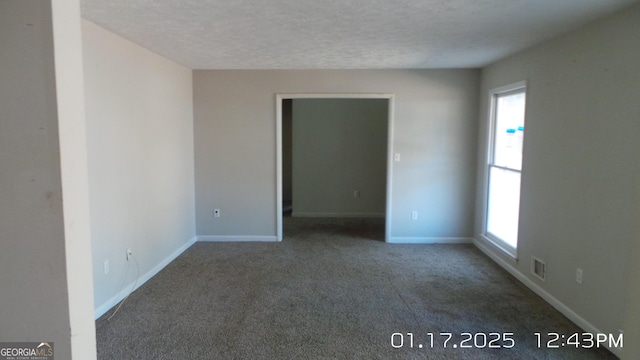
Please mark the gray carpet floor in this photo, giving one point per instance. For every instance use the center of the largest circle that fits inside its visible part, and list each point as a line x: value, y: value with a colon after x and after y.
x: 331, y: 290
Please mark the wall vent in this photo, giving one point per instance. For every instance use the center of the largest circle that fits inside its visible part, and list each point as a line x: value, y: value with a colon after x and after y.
x: 538, y: 268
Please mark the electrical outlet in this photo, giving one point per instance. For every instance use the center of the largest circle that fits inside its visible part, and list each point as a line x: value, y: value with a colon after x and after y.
x: 579, y: 276
x: 414, y: 215
x: 106, y: 267
x: 129, y: 254
x: 216, y: 213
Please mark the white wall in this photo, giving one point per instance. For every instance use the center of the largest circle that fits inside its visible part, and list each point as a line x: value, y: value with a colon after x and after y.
x: 435, y: 132
x: 339, y: 146
x: 45, y: 292
x: 140, y: 134
x: 67, y: 39
x: 580, y: 172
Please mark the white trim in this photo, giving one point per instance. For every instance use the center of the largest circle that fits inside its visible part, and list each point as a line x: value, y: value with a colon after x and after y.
x: 114, y: 300
x: 488, y: 163
x: 390, y: 121
x: 334, y: 95
x: 500, y: 245
x: 390, y: 151
x: 236, y: 238
x: 557, y: 304
x: 279, y: 99
x: 513, y: 87
x: 429, y: 240
x: 336, y: 215
x: 505, y: 168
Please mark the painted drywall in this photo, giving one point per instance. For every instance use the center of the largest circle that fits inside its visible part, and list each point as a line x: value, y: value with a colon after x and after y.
x: 39, y: 232
x: 435, y: 132
x: 632, y: 314
x: 339, y: 147
x: 580, y: 165
x: 67, y: 37
x: 140, y: 146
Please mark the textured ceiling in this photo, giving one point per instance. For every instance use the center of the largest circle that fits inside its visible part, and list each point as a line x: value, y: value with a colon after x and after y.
x: 341, y: 34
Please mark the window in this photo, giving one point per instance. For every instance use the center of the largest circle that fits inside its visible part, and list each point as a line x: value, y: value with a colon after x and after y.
x: 504, y: 166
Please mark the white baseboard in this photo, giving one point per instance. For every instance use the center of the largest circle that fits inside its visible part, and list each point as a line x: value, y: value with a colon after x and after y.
x: 236, y: 238
x: 113, y: 301
x: 557, y: 304
x: 429, y: 240
x: 337, y: 215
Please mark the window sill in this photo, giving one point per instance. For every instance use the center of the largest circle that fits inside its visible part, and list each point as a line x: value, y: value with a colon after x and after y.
x: 497, y: 244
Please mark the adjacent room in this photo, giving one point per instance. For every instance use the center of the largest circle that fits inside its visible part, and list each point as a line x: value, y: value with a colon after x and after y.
x: 272, y: 180
x: 334, y: 160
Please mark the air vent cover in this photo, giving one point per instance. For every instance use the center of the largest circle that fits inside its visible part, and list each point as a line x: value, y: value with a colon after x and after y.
x: 538, y: 268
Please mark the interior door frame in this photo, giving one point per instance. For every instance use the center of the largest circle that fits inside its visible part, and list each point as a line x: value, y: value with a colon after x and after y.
x: 390, y: 121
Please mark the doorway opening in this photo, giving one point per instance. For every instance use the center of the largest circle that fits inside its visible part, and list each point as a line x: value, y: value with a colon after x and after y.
x: 325, y: 143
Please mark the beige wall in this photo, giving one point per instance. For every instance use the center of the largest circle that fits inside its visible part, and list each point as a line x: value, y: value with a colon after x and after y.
x: 435, y: 133
x: 140, y: 132
x: 339, y: 146
x: 44, y: 243
x: 579, y: 191
x: 580, y: 171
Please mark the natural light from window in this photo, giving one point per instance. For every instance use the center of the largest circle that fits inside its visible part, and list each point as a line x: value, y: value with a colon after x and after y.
x: 504, y: 166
